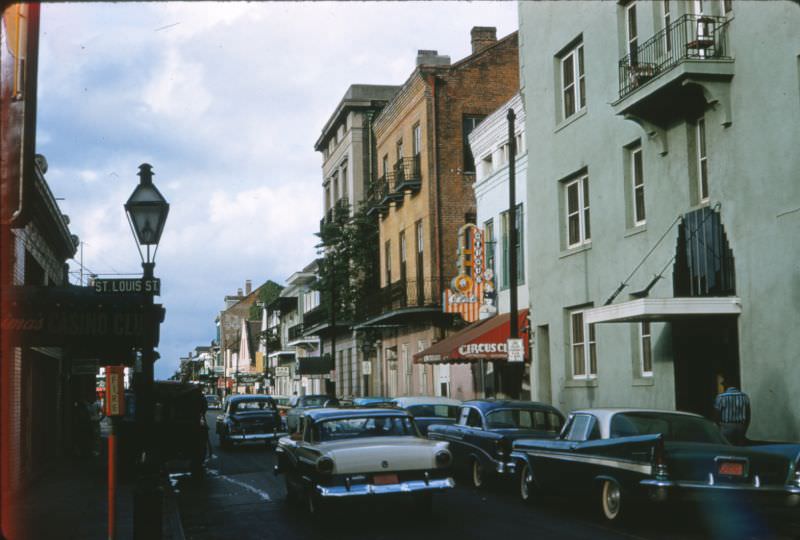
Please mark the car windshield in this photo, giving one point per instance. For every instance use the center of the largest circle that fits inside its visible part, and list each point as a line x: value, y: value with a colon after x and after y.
x: 252, y: 405
x: 524, y: 419
x: 674, y: 427
x: 370, y: 426
x: 212, y: 399
x: 434, y: 411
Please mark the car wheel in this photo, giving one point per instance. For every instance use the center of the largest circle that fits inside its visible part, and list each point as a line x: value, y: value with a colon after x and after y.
x: 611, y: 500
x: 478, y: 474
x: 525, y: 482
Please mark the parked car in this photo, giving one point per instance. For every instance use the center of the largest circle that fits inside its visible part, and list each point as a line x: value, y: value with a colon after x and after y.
x: 625, y: 455
x: 342, y: 453
x: 481, y: 439
x: 248, y: 417
x: 213, y: 402
x: 428, y: 410
x: 303, y: 403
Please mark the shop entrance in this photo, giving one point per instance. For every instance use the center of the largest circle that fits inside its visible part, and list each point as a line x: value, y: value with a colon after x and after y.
x: 703, y: 350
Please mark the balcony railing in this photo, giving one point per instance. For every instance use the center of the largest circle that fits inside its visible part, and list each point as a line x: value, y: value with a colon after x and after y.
x: 377, y: 195
x: 295, y: 332
x: 404, y: 294
x: 408, y: 174
x: 691, y: 37
x: 319, y: 314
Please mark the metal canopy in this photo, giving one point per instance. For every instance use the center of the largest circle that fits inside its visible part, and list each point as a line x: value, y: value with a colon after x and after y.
x: 664, y: 309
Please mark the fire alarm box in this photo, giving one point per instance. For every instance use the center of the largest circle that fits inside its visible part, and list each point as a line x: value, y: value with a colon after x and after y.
x: 115, y: 391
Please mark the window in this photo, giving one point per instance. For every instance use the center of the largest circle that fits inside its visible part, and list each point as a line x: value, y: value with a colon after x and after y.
x: 416, y: 141
x: 399, y: 150
x: 402, y: 255
x: 469, y: 123
x: 385, y: 164
x: 727, y: 6
x: 637, y: 176
x: 582, y: 428
x: 577, y: 210
x: 583, y: 347
x: 573, y: 86
x: 702, y: 160
x: 488, y: 243
x: 344, y: 180
x: 20, y: 48
x: 506, y: 234
x: 646, y: 349
x: 387, y: 248
x: 474, y: 419
x: 420, y: 238
x: 632, y: 31
x: 667, y: 22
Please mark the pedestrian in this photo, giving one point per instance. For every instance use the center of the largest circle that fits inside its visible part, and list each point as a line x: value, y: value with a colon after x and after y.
x: 733, y: 413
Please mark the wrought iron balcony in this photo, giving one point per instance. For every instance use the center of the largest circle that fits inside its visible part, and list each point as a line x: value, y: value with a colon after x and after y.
x: 691, y: 37
x: 295, y: 332
x: 405, y: 293
x: 377, y: 195
x: 408, y: 174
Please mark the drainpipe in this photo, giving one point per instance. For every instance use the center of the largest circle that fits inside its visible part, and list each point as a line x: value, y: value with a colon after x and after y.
x: 433, y: 81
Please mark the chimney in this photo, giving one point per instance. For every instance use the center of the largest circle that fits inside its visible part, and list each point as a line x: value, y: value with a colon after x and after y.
x: 248, y: 287
x: 482, y: 37
x: 239, y: 292
x: 432, y: 58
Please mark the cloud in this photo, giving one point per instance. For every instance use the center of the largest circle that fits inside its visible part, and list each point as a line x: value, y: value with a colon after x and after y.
x: 225, y: 100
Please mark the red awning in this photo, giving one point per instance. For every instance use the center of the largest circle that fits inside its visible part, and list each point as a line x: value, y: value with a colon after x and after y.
x: 482, y: 340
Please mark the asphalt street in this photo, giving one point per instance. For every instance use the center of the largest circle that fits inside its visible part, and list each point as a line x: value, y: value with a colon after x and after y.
x: 240, y: 498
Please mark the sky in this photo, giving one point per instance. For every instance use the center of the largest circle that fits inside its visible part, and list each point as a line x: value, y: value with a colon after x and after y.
x: 225, y: 101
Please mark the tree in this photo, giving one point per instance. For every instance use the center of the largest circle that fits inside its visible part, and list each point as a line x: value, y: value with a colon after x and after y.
x: 268, y: 292
x: 347, y: 269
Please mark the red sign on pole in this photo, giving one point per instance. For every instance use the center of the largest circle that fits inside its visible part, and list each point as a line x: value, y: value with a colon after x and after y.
x: 115, y: 391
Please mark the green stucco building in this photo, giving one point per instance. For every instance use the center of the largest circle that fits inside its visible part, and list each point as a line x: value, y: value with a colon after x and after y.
x: 664, y: 204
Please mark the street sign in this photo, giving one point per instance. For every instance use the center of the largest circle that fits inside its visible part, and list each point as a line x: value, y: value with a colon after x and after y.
x: 366, y: 367
x: 152, y: 286
x: 249, y: 378
x: 516, y: 350
x: 115, y: 391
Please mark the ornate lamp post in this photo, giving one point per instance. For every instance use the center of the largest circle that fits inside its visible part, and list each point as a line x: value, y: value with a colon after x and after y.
x: 147, y: 211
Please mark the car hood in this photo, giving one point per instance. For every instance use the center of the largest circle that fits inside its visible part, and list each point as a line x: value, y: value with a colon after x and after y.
x: 375, y: 454
x: 696, y: 461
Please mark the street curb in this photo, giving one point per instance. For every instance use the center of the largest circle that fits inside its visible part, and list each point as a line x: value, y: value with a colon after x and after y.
x: 172, y: 526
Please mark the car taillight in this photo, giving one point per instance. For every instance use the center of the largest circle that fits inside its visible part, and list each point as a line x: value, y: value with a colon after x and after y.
x: 659, y: 460
x: 325, y: 465
x: 443, y: 458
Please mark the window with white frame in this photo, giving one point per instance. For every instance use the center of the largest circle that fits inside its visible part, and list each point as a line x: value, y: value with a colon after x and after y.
x: 311, y: 300
x: 667, y: 21
x: 416, y: 140
x: 702, y: 160
x: 632, y: 32
x: 576, y: 195
x: 637, y: 177
x: 645, y: 349
x: 582, y: 347
x: 573, y: 84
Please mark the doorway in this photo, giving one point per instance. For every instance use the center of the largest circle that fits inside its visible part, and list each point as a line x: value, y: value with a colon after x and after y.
x: 704, y: 349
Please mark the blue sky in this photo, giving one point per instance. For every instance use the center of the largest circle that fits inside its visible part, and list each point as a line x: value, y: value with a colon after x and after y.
x: 225, y: 100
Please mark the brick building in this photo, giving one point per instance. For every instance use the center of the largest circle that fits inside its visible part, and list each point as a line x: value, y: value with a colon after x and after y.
x: 423, y: 193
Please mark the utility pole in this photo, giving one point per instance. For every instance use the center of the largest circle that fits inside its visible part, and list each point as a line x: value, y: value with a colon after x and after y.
x: 513, y: 372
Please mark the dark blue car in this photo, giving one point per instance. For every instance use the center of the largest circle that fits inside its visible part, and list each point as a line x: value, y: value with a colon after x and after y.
x: 481, y: 440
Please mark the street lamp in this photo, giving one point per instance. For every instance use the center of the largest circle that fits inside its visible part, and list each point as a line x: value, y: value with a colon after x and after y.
x: 147, y: 211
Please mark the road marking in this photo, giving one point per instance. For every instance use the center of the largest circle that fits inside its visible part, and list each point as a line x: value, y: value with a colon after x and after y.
x: 263, y: 494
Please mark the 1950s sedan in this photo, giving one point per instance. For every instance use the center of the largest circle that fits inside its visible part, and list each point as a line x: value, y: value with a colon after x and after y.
x: 248, y: 417
x: 430, y: 410
x: 343, y: 453
x: 481, y: 440
x: 625, y: 455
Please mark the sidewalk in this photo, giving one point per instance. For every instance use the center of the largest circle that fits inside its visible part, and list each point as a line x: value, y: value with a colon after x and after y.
x: 70, y: 502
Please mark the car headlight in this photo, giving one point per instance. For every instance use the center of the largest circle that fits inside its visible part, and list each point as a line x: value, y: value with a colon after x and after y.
x: 325, y: 465
x: 443, y: 458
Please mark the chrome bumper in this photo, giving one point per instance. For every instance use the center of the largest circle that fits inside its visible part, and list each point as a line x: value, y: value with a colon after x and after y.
x: 361, y: 490
x: 660, y: 489
x: 508, y: 468
x: 241, y: 437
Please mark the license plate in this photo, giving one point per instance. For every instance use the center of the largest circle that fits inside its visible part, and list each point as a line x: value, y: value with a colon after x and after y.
x: 383, y: 479
x: 731, y: 468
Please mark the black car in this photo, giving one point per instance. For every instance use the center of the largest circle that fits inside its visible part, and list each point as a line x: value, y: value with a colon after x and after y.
x: 481, y: 440
x: 302, y: 403
x: 251, y: 417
